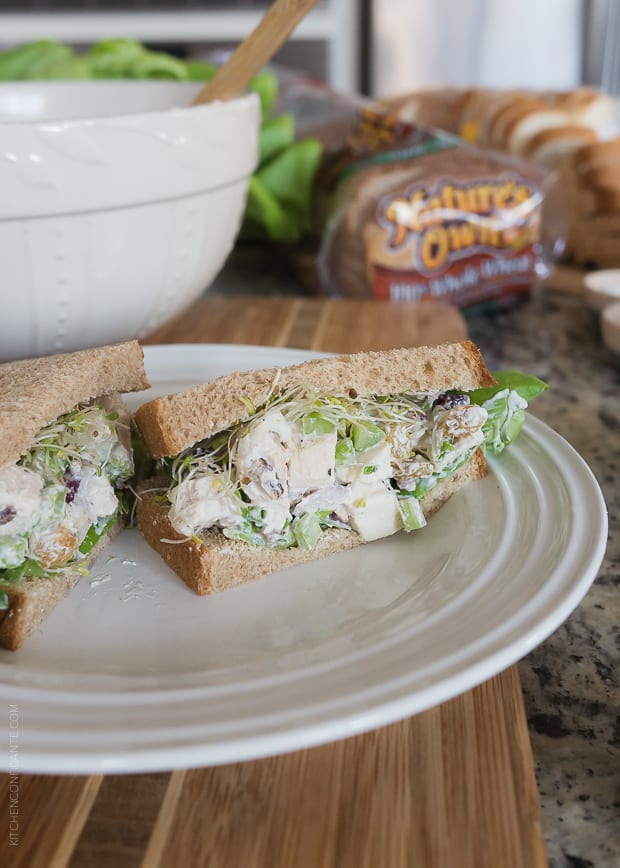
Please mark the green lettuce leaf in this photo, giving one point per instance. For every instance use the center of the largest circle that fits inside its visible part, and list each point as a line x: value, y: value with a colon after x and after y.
x: 307, y: 530
x: 248, y: 533
x: 525, y: 385
x: 200, y: 70
x: 265, y: 84
x: 112, y: 58
x: 76, y: 68
x: 291, y: 174
x: 95, y: 532
x: 27, y: 569
x: 264, y: 209
x: 505, y: 404
x: 158, y: 65
x: 32, y: 60
x: 275, y: 136
x: 504, y: 421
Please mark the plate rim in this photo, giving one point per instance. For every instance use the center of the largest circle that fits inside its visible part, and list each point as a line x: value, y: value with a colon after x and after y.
x: 315, y: 732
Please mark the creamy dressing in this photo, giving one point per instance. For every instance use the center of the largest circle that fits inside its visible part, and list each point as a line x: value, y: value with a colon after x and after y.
x: 275, y: 475
x: 48, y: 506
x: 20, y: 500
x: 262, y: 467
x: 311, y: 462
x: 202, y: 502
x: 373, y: 510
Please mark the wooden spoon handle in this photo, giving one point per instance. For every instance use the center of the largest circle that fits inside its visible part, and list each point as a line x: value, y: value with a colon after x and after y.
x: 270, y: 34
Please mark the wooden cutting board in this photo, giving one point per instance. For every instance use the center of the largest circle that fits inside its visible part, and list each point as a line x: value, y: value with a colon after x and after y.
x: 453, y: 787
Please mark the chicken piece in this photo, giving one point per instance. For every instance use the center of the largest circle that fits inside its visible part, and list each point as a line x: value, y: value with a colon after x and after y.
x: 374, y: 511
x: 311, y: 462
x: 371, y: 466
x: 262, y: 468
x: 201, y: 502
x: 20, y: 500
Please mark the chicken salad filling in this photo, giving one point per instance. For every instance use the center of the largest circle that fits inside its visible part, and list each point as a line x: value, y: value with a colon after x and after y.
x: 64, y: 494
x: 305, y: 463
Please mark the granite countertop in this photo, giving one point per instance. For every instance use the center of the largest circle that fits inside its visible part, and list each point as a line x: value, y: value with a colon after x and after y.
x: 570, y: 682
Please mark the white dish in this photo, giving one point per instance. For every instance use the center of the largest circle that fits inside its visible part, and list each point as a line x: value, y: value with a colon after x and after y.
x: 602, y: 288
x: 133, y: 672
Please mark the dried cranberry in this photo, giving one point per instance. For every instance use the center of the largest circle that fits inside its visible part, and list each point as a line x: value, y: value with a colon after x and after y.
x: 73, y: 483
x: 448, y: 400
x: 7, y: 514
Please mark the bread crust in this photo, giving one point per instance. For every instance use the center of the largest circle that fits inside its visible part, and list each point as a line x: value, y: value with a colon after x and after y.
x: 220, y: 563
x: 564, y: 139
x: 32, y: 599
x: 34, y: 392
x: 175, y: 422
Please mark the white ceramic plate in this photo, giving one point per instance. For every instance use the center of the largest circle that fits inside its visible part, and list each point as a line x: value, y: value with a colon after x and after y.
x: 134, y: 672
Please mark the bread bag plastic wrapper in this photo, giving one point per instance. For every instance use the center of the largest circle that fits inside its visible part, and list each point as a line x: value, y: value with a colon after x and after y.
x: 407, y: 213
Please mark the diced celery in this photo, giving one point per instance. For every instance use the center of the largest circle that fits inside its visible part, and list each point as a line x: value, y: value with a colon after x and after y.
x: 345, y: 451
x: 411, y: 513
x: 314, y: 423
x: 365, y: 435
x: 307, y: 530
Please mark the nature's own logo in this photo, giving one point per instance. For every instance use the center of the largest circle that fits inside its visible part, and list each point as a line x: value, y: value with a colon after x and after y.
x: 450, y: 220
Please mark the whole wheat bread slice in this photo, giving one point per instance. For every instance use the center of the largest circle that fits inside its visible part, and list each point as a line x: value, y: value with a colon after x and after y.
x: 34, y: 392
x: 173, y: 423
x: 32, y: 599
x: 220, y: 563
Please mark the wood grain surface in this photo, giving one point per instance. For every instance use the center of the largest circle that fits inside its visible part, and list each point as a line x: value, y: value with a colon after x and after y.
x: 453, y: 787
x: 344, y: 326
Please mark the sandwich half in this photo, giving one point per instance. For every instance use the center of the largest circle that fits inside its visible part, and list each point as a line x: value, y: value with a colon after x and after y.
x: 266, y: 469
x: 65, y: 455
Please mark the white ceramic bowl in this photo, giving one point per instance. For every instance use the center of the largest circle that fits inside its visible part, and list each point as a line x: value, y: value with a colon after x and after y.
x: 610, y: 327
x: 119, y: 206
x: 602, y: 288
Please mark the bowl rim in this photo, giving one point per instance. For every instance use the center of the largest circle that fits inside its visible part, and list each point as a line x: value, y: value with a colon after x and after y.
x: 239, y: 103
